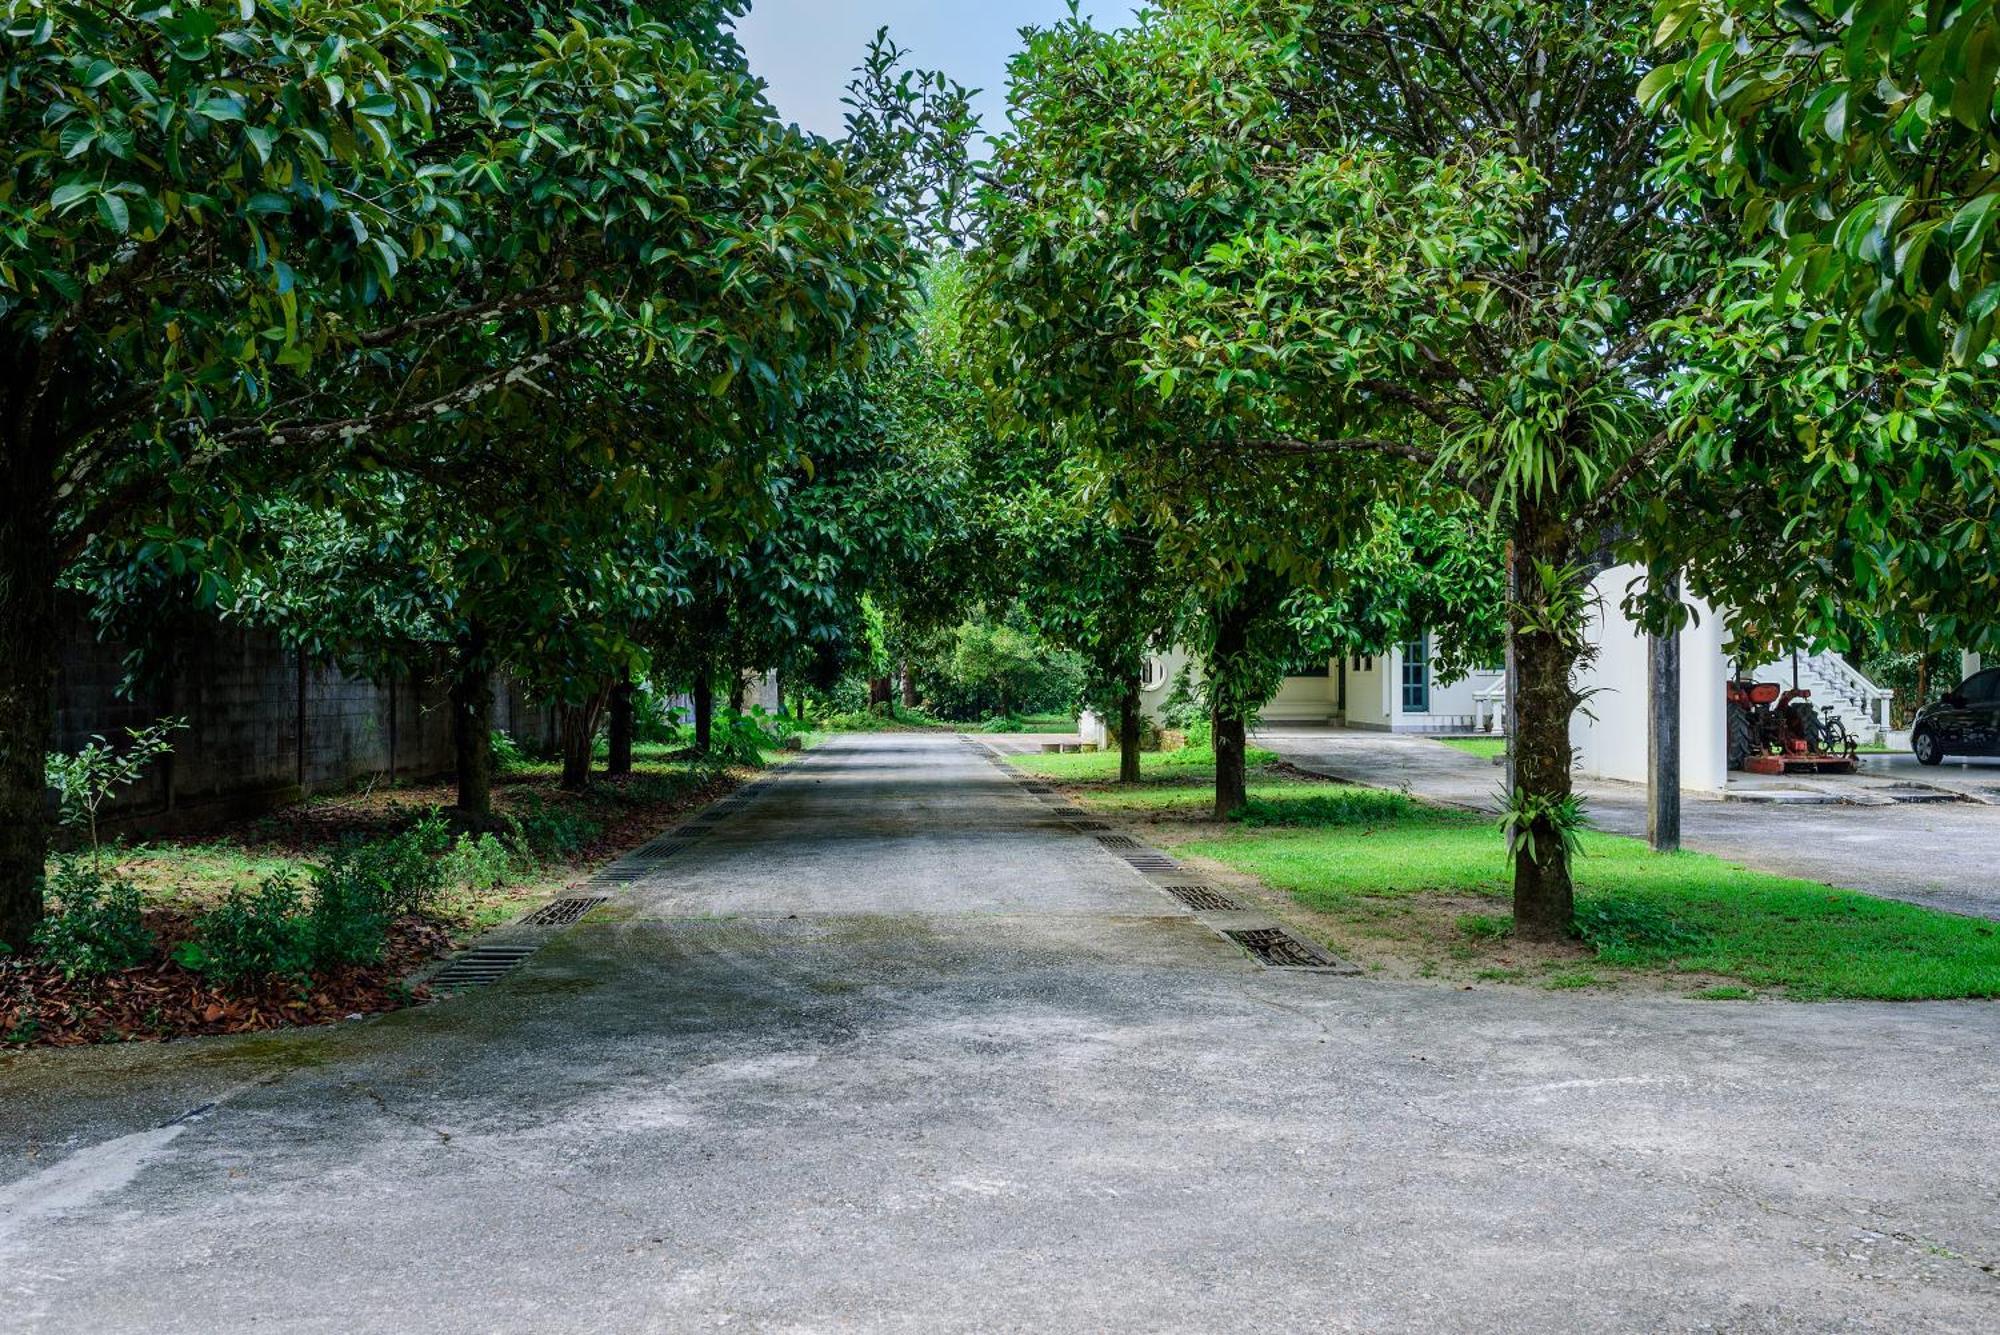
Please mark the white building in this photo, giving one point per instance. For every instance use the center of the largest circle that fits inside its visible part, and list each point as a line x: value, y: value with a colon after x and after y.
x: 1400, y: 691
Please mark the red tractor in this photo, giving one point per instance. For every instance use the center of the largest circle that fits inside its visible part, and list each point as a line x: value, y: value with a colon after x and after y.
x: 1776, y: 731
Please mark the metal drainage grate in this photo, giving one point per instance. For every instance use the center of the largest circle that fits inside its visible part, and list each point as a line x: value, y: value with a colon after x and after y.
x: 1147, y: 860
x: 660, y: 849
x: 1036, y: 788
x: 481, y: 964
x: 1118, y: 841
x: 562, y: 912
x: 624, y: 873
x: 1279, y: 949
x: 711, y: 816
x: 1070, y: 811
x: 1088, y: 826
x: 1917, y: 793
x: 1204, y: 898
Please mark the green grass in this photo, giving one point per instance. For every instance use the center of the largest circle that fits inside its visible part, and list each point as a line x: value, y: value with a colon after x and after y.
x: 1353, y: 852
x: 1188, y: 767
x: 1486, y: 748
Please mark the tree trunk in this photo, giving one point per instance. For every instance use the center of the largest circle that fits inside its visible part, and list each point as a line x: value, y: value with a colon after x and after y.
x: 1226, y: 721
x: 878, y: 691
x: 579, y: 738
x: 472, y: 727
x: 27, y: 705
x: 619, y: 761
x: 736, y: 690
x: 1545, y: 657
x: 909, y: 687
x: 1128, y: 733
x: 704, y: 711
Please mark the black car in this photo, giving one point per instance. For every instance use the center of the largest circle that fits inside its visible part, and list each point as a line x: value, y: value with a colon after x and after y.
x: 1964, y: 723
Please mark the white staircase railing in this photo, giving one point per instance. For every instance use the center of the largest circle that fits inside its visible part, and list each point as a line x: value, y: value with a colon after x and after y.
x: 1839, y: 689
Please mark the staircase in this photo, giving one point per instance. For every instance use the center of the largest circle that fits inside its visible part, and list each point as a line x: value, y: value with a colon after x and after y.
x: 1838, y: 691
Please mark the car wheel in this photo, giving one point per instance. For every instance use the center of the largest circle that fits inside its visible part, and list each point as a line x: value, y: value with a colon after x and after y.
x: 1927, y: 748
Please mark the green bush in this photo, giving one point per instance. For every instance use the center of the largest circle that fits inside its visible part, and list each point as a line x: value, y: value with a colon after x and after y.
x: 404, y: 874
x: 258, y: 932
x: 478, y: 863
x: 348, y: 922
x: 97, y: 926
x: 539, y: 831
x: 508, y: 754
x: 1002, y: 725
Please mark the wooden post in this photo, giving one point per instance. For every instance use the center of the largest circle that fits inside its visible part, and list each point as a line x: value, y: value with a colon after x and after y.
x: 1663, y: 739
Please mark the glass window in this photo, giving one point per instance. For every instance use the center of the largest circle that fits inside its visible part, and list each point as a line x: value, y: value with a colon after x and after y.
x: 1982, y: 688
x: 1417, y: 675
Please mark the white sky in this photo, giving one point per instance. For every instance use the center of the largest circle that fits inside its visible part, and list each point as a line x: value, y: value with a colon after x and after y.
x: 807, y: 49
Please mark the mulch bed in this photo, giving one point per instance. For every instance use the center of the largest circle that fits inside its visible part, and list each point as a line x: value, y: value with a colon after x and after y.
x: 162, y: 1000
x: 41, y: 1008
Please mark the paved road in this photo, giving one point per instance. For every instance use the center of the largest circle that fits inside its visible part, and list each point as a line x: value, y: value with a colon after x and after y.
x: 886, y: 1051
x: 1940, y: 854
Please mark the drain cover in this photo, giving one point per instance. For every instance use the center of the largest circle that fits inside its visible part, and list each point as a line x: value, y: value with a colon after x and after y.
x: 562, y: 912
x: 1279, y: 949
x: 1204, y: 898
x: 482, y: 964
x: 1147, y: 860
x: 1088, y: 826
x: 1914, y: 792
x: 1116, y: 840
x: 660, y: 849
x: 1069, y: 811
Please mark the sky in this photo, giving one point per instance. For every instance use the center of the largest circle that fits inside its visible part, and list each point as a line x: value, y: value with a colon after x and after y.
x: 807, y: 49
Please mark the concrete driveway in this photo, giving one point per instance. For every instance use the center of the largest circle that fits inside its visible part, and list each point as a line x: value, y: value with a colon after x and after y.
x: 1941, y: 854
x: 890, y: 1050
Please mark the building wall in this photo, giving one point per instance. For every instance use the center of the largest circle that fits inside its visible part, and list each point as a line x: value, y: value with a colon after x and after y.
x: 1609, y: 732
x: 1303, y: 699
x: 265, y: 728
x: 1369, y: 704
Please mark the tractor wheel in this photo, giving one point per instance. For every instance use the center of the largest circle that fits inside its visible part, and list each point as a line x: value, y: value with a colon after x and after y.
x: 1927, y: 748
x: 1742, y: 736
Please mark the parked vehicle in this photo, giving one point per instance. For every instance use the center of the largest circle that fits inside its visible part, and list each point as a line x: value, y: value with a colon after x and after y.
x: 1776, y: 731
x: 1965, y: 723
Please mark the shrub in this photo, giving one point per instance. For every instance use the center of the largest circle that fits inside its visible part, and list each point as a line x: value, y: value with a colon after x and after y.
x: 1002, y: 725
x: 508, y: 755
x: 98, y: 925
x: 254, y: 933
x: 477, y: 863
x: 404, y: 874
x: 739, y: 739
x: 348, y: 922
x: 540, y: 831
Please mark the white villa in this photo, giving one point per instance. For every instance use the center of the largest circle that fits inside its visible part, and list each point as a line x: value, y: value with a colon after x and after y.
x: 1399, y: 691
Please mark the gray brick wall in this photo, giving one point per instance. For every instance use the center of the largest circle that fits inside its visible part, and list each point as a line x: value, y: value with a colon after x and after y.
x: 264, y: 727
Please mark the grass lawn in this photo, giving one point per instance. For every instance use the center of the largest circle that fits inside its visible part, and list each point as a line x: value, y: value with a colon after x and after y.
x: 1416, y: 889
x: 1484, y: 747
x: 1099, y: 770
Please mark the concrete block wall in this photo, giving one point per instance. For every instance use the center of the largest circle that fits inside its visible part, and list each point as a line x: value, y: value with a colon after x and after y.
x: 264, y: 729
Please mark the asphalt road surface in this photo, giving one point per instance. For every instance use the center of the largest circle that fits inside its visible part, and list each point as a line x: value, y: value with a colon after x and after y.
x: 889, y: 1049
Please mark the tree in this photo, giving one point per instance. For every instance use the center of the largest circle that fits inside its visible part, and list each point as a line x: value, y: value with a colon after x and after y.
x: 1098, y: 591
x: 1862, y: 138
x: 1129, y: 156
x: 248, y: 247
x: 1452, y: 248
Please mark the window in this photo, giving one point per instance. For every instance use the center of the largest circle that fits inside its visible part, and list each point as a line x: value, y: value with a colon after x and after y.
x: 1154, y: 675
x: 1982, y: 688
x: 1417, y: 675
